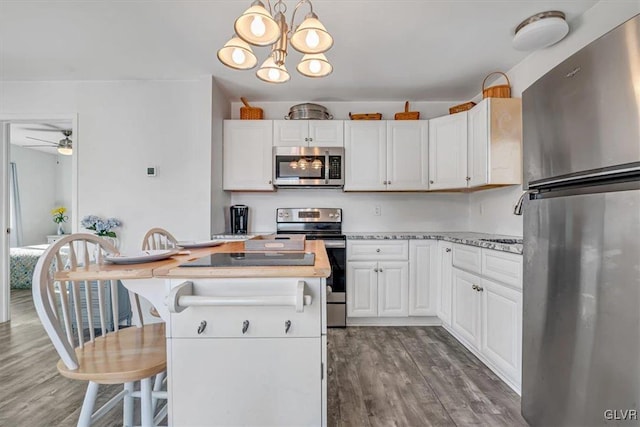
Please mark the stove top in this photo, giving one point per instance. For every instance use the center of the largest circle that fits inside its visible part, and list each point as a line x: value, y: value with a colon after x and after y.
x: 323, y: 222
x: 254, y: 259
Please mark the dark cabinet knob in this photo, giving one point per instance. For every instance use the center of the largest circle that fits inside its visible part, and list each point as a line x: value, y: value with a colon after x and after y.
x: 245, y: 326
x: 202, y: 327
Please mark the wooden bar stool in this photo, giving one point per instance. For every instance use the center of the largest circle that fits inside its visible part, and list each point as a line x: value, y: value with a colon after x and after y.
x: 91, y: 345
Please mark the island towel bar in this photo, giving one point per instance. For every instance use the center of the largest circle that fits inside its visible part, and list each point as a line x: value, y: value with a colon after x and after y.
x: 182, y: 297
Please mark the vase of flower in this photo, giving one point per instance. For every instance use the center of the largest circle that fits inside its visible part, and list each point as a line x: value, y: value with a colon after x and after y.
x: 59, y: 218
x: 102, y: 227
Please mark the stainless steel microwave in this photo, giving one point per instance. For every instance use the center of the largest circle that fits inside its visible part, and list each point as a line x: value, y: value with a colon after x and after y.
x: 308, y: 167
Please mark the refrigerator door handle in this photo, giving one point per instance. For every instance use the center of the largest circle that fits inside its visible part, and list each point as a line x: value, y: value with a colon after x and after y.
x: 517, y: 210
x: 628, y: 170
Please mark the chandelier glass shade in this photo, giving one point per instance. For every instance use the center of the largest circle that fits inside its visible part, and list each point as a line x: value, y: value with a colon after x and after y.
x: 259, y: 26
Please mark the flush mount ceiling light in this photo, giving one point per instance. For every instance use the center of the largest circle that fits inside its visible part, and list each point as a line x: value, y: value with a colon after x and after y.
x: 258, y: 26
x: 540, y: 30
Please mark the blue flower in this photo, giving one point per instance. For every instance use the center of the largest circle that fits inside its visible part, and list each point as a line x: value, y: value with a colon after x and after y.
x: 102, y: 227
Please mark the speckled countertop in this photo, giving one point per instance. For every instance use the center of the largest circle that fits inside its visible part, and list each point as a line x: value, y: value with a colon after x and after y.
x: 466, y: 238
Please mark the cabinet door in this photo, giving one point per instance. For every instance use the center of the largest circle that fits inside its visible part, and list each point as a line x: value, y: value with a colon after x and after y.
x: 393, y: 289
x: 445, y: 259
x: 365, y: 149
x: 238, y: 381
x: 247, y: 155
x: 478, y: 144
x: 407, y: 155
x: 326, y: 133
x: 423, y: 269
x: 290, y: 133
x: 502, y: 328
x: 448, y: 152
x: 466, y: 307
x: 362, y: 289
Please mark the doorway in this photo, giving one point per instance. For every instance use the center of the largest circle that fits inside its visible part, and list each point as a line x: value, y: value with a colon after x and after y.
x: 38, y: 174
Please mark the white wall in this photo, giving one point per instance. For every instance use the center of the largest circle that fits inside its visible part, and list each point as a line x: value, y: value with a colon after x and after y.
x: 399, y: 211
x: 37, y: 191
x: 124, y: 127
x: 491, y: 211
x: 220, y: 200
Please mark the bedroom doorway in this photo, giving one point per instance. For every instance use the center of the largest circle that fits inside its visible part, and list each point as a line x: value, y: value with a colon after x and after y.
x: 38, y: 164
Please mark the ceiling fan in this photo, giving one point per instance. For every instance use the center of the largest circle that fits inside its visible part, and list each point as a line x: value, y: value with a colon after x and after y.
x: 65, y: 145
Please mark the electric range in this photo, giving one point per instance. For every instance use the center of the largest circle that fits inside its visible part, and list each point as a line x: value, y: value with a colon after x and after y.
x: 323, y: 224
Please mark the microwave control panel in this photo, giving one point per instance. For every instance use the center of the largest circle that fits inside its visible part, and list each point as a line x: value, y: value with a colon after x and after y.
x: 335, y: 167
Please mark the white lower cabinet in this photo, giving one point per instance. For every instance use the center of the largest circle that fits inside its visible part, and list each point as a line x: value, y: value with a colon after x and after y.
x: 423, y: 275
x: 280, y: 371
x: 487, y: 315
x: 501, y: 328
x: 466, y: 307
x: 377, y: 288
x: 444, y: 281
x: 393, y: 288
x: 362, y: 289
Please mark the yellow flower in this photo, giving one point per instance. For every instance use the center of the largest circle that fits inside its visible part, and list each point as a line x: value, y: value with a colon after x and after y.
x: 59, y: 211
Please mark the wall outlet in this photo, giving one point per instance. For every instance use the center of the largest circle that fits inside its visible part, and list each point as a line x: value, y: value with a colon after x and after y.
x: 377, y: 210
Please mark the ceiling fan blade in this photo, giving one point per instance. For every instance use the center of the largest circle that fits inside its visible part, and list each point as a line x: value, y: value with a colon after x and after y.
x: 31, y: 146
x: 43, y: 140
x: 43, y: 130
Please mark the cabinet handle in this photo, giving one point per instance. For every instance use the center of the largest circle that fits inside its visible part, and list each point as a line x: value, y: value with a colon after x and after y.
x: 447, y: 250
x: 287, y: 326
x: 375, y: 270
x: 431, y: 182
x: 245, y: 326
x: 468, y: 178
x: 270, y: 182
x: 380, y: 270
x: 306, y: 139
x: 479, y: 288
x: 378, y: 250
x: 474, y: 287
x: 202, y: 327
x: 384, y: 182
x: 310, y: 139
x: 388, y: 182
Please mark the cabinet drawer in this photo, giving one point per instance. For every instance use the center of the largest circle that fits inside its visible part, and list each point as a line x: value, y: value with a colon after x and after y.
x: 375, y: 250
x: 502, y: 266
x: 224, y: 321
x: 467, y: 257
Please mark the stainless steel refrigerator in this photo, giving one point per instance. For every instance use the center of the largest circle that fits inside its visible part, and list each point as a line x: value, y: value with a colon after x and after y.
x: 581, y: 337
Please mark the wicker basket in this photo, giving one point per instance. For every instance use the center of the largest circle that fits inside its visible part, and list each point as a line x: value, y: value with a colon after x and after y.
x: 461, y: 107
x: 498, y: 91
x: 367, y: 116
x: 248, y: 112
x: 406, y: 114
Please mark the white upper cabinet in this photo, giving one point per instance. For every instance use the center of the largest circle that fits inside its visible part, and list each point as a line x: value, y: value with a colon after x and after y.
x: 407, y: 155
x: 247, y: 155
x: 386, y: 155
x: 495, y: 142
x: 448, y: 152
x: 308, y: 133
x: 365, y: 145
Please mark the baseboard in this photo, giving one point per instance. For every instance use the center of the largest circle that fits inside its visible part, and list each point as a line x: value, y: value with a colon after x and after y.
x: 394, y: 321
x: 515, y: 387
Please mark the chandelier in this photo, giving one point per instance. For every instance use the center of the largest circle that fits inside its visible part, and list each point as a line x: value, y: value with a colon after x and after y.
x: 258, y: 27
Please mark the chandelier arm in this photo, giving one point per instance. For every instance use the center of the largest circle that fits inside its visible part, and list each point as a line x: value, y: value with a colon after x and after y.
x: 293, y: 17
x: 269, y: 4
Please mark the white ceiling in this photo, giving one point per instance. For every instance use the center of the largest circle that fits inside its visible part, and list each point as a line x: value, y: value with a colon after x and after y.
x: 39, y: 136
x: 421, y: 50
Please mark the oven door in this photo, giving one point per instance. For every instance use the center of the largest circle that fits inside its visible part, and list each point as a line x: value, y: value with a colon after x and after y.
x: 308, y: 167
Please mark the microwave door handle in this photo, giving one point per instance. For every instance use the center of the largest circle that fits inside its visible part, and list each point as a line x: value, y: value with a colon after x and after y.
x: 326, y: 167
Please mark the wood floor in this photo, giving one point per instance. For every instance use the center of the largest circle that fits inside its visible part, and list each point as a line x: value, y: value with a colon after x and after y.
x: 412, y: 376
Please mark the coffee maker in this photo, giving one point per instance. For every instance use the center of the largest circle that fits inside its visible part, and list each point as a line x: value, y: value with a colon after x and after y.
x: 239, y: 217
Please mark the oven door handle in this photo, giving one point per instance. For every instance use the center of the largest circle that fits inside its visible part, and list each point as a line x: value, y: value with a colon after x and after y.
x: 335, y: 244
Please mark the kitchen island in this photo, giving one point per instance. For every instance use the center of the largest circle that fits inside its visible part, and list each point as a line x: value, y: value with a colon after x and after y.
x: 245, y: 345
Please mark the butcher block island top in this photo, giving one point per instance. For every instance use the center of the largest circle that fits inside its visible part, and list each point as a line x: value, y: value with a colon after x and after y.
x: 172, y: 267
